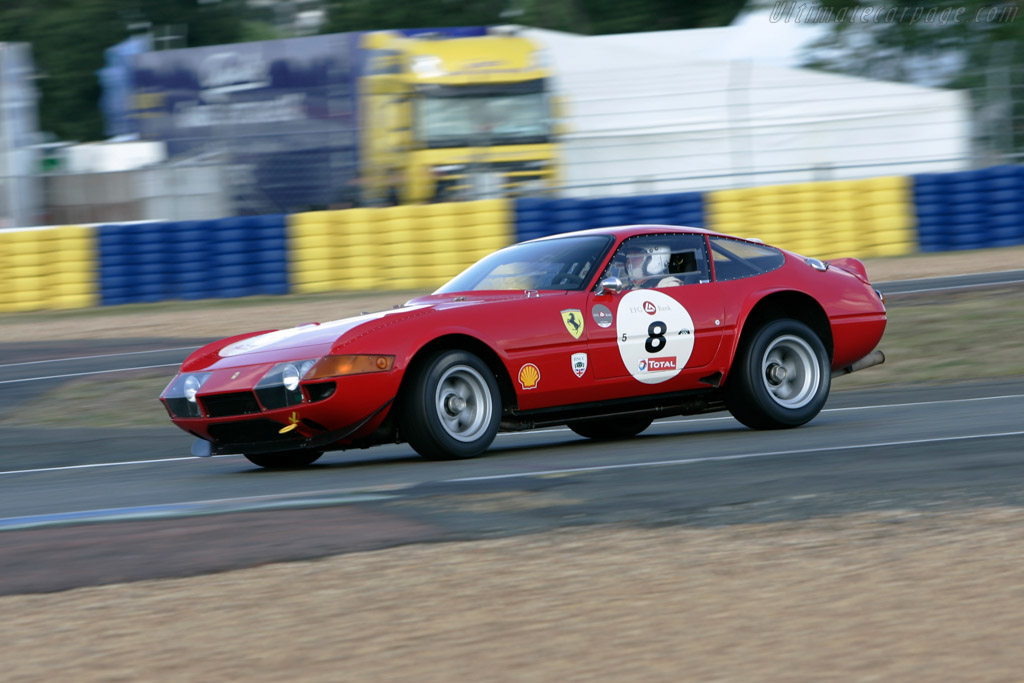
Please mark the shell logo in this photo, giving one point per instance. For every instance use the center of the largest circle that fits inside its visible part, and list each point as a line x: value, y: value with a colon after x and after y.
x: 529, y: 375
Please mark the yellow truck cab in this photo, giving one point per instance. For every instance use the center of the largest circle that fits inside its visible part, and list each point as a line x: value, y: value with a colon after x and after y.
x: 447, y: 118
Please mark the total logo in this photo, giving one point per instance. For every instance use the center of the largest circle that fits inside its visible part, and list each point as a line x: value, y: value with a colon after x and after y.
x: 656, y: 364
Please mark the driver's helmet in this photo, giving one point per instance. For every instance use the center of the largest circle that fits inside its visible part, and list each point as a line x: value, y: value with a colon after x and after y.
x: 644, y: 262
x: 657, y: 261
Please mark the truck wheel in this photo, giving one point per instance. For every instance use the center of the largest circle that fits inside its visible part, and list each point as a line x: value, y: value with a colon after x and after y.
x: 608, y: 428
x: 780, y: 377
x: 283, y: 459
x: 452, y: 408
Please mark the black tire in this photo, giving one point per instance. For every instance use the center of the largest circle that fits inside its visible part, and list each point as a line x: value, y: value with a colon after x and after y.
x: 284, y: 459
x: 452, y: 407
x: 609, y: 428
x: 780, y: 377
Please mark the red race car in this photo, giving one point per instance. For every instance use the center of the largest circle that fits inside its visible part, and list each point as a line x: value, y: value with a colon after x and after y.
x: 601, y: 330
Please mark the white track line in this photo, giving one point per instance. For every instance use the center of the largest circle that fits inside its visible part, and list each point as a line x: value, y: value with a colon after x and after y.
x: 720, y: 418
x: 83, y: 374
x: 548, y: 431
x: 725, y: 458
x: 952, y: 287
x: 102, y: 355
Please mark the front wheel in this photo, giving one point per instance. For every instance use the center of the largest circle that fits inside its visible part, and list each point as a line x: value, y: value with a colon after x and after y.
x: 452, y: 408
x: 284, y: 459
x: 780, y: 377
x: 608, y: 428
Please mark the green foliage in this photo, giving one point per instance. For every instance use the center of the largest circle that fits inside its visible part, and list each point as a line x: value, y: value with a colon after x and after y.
x: 977, y: 45
x: 68, y: 38
x: 578, y: 16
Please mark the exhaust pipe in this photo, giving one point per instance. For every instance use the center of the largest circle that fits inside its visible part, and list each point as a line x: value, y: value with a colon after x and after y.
x: 874, y: 358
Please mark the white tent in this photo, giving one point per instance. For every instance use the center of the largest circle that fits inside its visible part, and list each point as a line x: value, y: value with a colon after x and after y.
x: 664, y: 111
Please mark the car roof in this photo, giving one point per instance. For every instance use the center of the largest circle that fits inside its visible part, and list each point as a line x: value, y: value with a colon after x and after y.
x: 624, y: 231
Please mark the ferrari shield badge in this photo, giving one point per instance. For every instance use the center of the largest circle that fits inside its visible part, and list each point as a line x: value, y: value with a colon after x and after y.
x: 579, y: 364
x: 573, y: 319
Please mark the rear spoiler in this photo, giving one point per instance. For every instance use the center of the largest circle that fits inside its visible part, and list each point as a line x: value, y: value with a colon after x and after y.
x: 852, y: 266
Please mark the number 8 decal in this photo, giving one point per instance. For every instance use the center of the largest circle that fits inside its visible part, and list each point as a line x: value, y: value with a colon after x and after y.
x: 654, y: 335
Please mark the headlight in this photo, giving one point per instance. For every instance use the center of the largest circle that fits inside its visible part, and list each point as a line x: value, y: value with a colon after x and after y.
x: 191, y: 386
x: 291, y: 373
x: 279, y: 387
x: 180, y: 394
x: 427, y: 66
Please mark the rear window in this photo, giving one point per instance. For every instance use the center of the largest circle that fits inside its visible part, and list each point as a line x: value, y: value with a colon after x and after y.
x: 735, y: 259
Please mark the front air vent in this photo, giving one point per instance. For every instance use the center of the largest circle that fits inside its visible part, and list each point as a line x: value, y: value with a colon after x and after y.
x: 226, y: 405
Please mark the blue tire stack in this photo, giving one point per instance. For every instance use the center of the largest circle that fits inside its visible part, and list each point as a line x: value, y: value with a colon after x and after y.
x: 537, y: 217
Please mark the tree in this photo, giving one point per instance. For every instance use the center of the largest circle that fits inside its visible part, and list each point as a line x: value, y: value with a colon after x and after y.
x: 578, y: 16
x: 976, y: 45
x: 68, y: 38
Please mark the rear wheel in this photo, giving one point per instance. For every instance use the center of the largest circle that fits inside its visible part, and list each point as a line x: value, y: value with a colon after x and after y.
x: 284, y: 459
x: 608, y: 428
x: 780, y: 377
x: 452, y: 408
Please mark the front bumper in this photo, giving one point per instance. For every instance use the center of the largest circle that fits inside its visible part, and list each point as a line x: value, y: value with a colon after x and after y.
x: 232, y: 418
x: 203, y: 447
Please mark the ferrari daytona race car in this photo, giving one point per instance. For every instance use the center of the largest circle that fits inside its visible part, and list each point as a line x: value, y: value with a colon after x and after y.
x: 601, y: 330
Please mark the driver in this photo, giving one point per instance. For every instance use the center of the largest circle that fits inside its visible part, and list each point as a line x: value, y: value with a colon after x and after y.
x: 647, y: 267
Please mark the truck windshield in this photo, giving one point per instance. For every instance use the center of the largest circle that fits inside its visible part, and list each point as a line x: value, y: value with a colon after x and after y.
x: 482, y: 120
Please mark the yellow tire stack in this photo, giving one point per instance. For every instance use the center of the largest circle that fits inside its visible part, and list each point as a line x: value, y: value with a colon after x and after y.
x: 394, y: 248
x: 47, y: 268
x: 873, y: 217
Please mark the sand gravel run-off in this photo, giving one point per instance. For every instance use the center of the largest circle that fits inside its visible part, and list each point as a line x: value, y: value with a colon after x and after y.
x: 870, y: 597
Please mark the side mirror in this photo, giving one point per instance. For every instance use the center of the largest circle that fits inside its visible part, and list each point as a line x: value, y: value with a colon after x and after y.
x: 609, y: 285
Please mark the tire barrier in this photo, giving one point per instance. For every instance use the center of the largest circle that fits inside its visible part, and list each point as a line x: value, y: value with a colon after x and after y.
x: 873, y: 217
x: 48, y: 268
x: 229, y: 257
x: 395, y: 248
x: 422, y: 246
x: 540, y: 217
x: 970, y: 209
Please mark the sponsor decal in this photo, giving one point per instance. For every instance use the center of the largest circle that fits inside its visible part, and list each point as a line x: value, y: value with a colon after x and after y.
x: 235, y: 376
x: 573, y: 319
x: 656, y: 364
x: 529, y: 375
x: 602, y: 315
x: 655, y: 335
x: 579, y: 364
x: 293, y: 422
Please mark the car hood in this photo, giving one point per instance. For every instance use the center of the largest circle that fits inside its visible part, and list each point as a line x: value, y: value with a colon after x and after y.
x: 309, y: 340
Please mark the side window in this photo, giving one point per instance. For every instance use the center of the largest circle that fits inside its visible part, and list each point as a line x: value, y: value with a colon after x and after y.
x: 735, y: 259
x: 652, y: 261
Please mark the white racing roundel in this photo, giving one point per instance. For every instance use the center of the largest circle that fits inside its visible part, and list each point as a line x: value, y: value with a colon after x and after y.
x: 655, y: 335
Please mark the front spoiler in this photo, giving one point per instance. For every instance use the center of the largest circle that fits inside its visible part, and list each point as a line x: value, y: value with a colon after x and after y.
x: 201, y: 448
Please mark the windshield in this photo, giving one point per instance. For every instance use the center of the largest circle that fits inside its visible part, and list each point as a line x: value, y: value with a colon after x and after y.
x: 482, y: 120
x: 566, y: 263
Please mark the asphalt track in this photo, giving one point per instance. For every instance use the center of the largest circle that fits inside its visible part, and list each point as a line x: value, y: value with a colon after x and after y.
x: 93, y: 506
